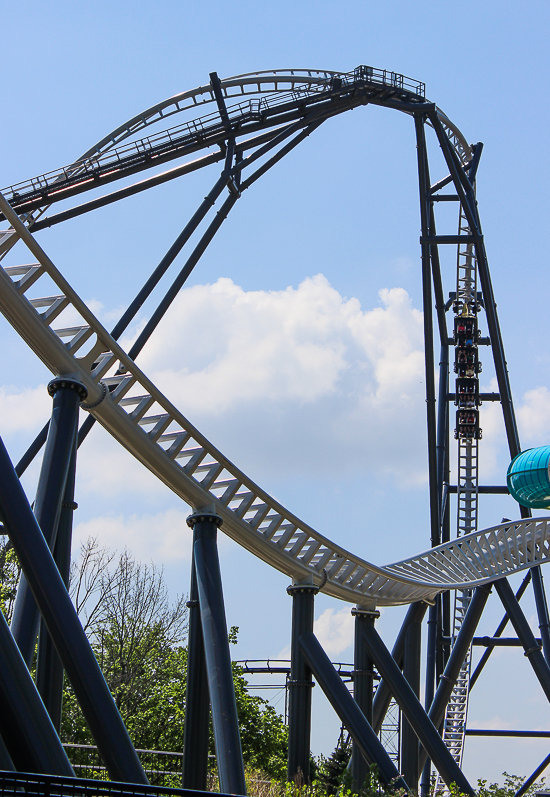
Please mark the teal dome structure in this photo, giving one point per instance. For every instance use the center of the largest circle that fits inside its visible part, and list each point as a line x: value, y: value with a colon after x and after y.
x: 528, y: 478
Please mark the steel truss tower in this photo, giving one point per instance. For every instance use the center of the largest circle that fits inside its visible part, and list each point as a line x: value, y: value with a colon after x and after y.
x: 252, y: 122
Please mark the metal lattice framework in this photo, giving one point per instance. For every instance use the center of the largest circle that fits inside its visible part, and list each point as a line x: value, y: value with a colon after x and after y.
x: 136, y: 413
x: 258, y: 118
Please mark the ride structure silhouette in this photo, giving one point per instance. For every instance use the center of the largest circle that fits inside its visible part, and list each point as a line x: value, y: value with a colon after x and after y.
x: 256, y: 120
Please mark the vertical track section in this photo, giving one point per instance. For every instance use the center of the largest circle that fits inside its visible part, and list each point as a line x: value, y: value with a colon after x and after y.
x: 467, y: 434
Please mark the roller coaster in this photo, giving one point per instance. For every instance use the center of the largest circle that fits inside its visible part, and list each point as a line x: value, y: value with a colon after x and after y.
x: 254, y: 120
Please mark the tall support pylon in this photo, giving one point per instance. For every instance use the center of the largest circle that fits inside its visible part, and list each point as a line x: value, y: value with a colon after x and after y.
x: 467, y: 433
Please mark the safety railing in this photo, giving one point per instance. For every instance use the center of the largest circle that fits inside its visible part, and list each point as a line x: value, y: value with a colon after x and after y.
x: 187, y: 132
x: 17, y: 783
x: 163, y: 768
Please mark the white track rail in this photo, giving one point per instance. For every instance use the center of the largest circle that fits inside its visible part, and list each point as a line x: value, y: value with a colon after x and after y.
x: 142, y: 419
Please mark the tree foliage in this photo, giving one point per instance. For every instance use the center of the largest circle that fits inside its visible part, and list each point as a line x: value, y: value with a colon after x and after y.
x: 331, y: 771
x: 9, y: 576
x: 264, y: 736
x: 139, y: 640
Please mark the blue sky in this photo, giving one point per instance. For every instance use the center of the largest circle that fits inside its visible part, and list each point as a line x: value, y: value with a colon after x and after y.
x: 297, y: 346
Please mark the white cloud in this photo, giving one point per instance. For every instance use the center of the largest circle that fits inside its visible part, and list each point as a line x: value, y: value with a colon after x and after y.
x: 23, y: 410
x: 221, y: 345
x: 163, y: 537
x: 301, y: 377
x: 334, y: 629
x: 534, y: 416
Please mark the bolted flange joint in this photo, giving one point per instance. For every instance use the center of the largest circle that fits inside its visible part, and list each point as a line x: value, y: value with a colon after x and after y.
x: 294, y: 588
x: 72, y: 384
x: 358, y: 611
x: 203, y: 517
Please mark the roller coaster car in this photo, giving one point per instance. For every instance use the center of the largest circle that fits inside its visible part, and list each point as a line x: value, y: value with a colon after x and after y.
x: 467, y: 425
x: 467, y: 393
x: 466, y: 362
x: 465, y: 331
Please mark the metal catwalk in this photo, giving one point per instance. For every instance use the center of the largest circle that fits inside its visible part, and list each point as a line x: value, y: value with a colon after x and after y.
x: 253, y: 121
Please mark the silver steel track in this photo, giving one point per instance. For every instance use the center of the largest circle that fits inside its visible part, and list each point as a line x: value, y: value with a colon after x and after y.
x: 142, y: 419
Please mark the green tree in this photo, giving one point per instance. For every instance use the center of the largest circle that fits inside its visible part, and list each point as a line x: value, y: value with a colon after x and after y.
x: 510, y: 786
x: 331, y: 771
x: 9, y: 576
x: 264, y: 736
x: 139, y: 640
x: 137, y: 636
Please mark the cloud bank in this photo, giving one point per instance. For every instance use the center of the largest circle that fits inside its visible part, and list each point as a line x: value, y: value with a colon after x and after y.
x: 301, y: 377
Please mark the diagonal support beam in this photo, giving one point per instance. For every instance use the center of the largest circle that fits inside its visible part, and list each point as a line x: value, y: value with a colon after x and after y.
x: 348, y: 711
x: 532, y: 778
x: 64, y: 627
x: 382, y: 699
x: 6, y: 763
x: 542, y: 610
x: 216, y: 650
x: 30, y: 738
x: 525, y: 635
x: 456, y: 659
x: 67, y: 395
x: 415, y: 714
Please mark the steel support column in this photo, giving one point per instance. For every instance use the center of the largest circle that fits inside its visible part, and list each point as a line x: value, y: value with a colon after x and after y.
x: 431, y: 654
x: 415, y: 714
x: 49, y: 669
x: 425, y: 207
x: 63, y: 625
x: 348, y: 710
x: 67, y: 395
x: 542, y: 610
x: 197, y: 703
x: 28, y: 734
x: 463, y: 641
x: 300, y: 684
x: 411, y: 671
x: 216, y: 650
x: 523, y: 630
x: 363, y: 687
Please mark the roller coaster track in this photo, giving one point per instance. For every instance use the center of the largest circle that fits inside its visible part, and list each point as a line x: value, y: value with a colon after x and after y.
x: 137, y: 414
x: 291, y: 95
x: 252, y: 110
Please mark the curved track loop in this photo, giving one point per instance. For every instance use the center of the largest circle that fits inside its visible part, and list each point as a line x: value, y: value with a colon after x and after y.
x: 278, y: 91
x: 137, y: 414
x: 284, y: 81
